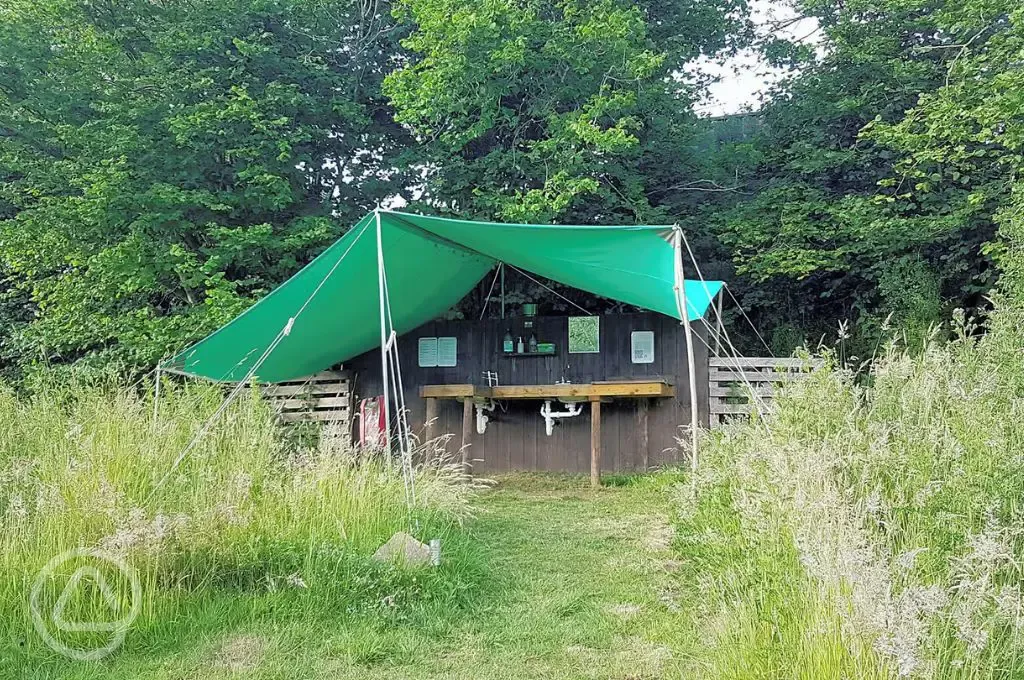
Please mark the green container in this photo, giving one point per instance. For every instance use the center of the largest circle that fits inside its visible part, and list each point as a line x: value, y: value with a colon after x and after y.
x: 530, y: 309
x: 545, y: 348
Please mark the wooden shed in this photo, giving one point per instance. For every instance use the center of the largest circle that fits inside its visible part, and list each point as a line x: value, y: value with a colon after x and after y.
x: 637, y: 379
x: 590, y: 392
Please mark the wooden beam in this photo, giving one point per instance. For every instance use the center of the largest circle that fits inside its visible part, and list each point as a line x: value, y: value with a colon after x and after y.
x: 322, y: 377
x: 764, y: 363
x: 642, y: 407
x: 431, y: 418
x: 753, y: 375
x: 332, y: 415
x: 595, y: 443
x: 312, y: 403
x: 312, y: 389
x: 447, y: 391
x: 741, y: 390
x: 467, y: 429
x: 582, y: 392
x: 721, y: 407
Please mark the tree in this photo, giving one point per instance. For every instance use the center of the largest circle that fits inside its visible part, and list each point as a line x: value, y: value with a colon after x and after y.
x: 964, y: 142
x: 555, y: 109
x: 832, y: 233
x: 163, y: 164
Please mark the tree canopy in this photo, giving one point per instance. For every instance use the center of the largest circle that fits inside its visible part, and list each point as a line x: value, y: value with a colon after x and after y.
x: 162, y: 165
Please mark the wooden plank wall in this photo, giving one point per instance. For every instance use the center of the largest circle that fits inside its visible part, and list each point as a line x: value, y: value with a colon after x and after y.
x: 515, y: 438
x: 733, y: 382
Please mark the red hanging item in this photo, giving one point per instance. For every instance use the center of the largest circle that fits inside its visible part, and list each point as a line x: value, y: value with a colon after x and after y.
x: 372, y: 429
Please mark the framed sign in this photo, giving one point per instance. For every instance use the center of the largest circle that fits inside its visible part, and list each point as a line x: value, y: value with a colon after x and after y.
x: 447, y: 351
x: 584, y: 334
x: 641, y: 345
x: 438, y: 352
x: 427, y: 352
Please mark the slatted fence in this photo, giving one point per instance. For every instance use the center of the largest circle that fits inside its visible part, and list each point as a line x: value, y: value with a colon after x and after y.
x: 324, y: 397
x: 733, y: 381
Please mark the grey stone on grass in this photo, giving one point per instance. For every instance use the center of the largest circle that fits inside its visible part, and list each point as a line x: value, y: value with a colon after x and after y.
x: 405, y: 549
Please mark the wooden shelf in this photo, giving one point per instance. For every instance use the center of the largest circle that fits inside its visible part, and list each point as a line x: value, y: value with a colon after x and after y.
x: 527, y: 355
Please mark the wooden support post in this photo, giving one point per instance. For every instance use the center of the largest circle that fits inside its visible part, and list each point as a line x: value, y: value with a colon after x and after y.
x: 719, y: 325
x: 467, y: 429
x: 642, y: 407
x: 595, y: 442
x: 431, y: 418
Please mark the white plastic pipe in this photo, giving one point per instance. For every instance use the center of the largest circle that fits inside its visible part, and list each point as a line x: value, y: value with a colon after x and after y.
x: 550, y: 416
x: 481, y: 416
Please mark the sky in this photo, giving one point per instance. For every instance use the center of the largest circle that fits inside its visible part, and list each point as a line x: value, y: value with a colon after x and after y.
x: 743, y: 79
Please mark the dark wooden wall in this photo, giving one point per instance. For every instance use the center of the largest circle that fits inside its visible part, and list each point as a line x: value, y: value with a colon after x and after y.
x: 515, y: 438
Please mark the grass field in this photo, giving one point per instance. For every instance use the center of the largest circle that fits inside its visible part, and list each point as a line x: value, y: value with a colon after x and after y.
x: 566, y: 584
x: 870, y: 528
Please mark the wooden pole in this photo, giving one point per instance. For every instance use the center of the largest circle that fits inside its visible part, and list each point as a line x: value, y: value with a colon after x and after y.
x: 642, y: 432
x: 467, y: 429
x: 595, y: 443
x: 720, y: 325
x: 431, y: 419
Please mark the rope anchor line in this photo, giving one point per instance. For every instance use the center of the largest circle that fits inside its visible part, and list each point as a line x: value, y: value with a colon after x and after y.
x: 388, y: 348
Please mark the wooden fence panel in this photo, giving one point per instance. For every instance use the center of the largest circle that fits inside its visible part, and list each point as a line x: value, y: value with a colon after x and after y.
x: 324, y: 397
x: 733, y: 382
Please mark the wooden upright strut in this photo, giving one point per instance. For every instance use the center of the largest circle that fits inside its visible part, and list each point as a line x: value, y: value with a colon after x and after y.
x: 467, y: 430
x: 595, y: 442
x: 431, y: 423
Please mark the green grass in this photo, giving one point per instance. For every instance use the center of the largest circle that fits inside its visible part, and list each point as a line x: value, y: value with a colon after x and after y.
x: 870, y: 528
x: 249, y: 525
x: 551, y: 580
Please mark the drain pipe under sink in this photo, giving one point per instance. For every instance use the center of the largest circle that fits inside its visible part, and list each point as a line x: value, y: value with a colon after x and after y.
x: 572, y: 409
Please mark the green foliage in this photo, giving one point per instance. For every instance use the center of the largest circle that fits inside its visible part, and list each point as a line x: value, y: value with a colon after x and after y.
x: 163, y: 164
x: 964, y: 142
x: 554, y: 110
x: 766, y: 618
x: 834, y: 218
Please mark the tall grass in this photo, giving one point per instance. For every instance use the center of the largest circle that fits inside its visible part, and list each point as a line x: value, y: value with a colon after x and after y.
x: 870, y: 528
x: 247, y: 511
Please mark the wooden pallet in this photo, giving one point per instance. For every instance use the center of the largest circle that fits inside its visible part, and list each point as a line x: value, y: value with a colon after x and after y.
x: 733, y: 381
x: 324, y: 397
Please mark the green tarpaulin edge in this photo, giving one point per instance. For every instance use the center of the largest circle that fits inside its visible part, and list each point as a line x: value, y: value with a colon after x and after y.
x: 328, y: 312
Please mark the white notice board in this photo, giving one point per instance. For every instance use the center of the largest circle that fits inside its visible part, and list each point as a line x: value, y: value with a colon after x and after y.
x: 642, y: 347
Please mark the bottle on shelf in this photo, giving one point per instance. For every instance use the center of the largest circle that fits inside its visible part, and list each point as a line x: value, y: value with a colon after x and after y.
x: 532, y: 344
x: 519, y: 347
x: 507, y: 344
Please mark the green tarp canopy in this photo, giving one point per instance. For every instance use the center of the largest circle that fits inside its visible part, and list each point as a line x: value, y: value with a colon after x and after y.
x: 329, y: 312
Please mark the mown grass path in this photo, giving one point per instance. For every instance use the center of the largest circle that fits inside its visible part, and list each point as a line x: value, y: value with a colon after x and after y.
x: 584, y: 591
x: 578, y: 585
